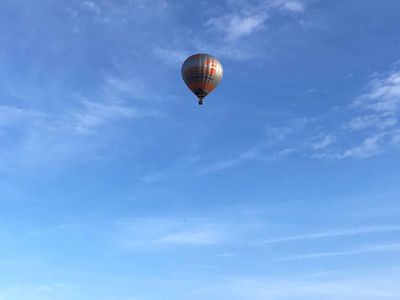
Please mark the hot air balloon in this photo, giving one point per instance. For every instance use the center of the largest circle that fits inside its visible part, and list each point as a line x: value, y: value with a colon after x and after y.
x: 201, y: 73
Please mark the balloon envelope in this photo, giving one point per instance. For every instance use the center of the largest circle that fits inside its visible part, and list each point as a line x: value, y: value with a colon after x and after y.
x: 201, y: 73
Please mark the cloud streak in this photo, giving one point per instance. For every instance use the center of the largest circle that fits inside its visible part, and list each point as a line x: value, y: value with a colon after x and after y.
x: 345, y: 287
x: 158, y: 233
x: 374, y: 126
x: 383, y: 96
x: 395, y: 247
x: 97, y: 115
x: 11, y: 116
x: 235, y: 26
x: 247, y: 19
x: 334, y: 234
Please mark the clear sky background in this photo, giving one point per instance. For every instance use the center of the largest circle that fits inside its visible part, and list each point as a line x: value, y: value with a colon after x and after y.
x: 116, y: 185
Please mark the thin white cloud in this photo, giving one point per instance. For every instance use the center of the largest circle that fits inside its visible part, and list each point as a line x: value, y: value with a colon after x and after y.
x: 155, y: 233
x: 231, y: 24
x: 382, y: 101
x: 254, y: 154
x: 333, y: 234
x: 132, y: 87
x: 246, y: 19
x: 371, y: 146
x: 199, y: 237
x: 374, y: 127
x: 193, y: 166
x: 181, y: 167
x: 41, y: 138
x: 395, y: 140
x: 274, y: 148
x: 380, y: 285
x: 171, y: 56
x: 40, y: 290
x: 383, y: 95
x: 158, y: 233
x: 322, y: 141
x: 37, y: 137
x: 371, y: 121
x: 11, y: 116
x: 225, y: 163
x: 293, y: 6
x: 235, y: 26
x: 98, y: 114
x: 91, y: 6
x: 223, y: 255
x: 395, y: 247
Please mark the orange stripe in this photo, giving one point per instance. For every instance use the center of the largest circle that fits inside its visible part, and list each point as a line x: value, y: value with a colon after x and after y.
x: 209, y: 87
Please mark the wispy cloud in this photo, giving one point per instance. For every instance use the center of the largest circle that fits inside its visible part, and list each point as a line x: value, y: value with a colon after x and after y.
x: 293, y: 6
x: 277, y: 144
x: 246, y: 19
x: 165, y: 232
x: 371, y: 146
x: 235, y: 26
x: 223, y: 164
x: 199, y: 237
x: 41, y: 290
x: 273, y: 148
x: 98, y: 114
x: 382, y: 104
x: 375, y: 124
x: 227, y: 28
x: 39, y: 135
x: 359, y: 250
x: 173, y: 57
x: 383, y: 95
x: 120, y: 87
x: 371, y: 121
x: 91, y: 7
x: 33, y: 138
x: 333, y: 234
x: 11, y: 116
x: 345, y: 287
x: 395, y: 140
x: 322, y: 141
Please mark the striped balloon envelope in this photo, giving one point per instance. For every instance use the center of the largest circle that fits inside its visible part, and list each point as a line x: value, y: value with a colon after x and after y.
x: 201, y: 73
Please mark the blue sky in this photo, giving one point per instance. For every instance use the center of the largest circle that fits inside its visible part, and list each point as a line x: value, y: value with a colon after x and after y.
x: 115, y: 184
